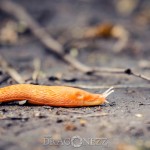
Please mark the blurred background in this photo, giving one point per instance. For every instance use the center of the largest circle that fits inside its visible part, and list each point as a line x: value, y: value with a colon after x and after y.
x: 103, y: 33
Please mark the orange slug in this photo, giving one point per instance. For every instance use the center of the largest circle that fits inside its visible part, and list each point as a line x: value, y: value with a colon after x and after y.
x: 52, y: 95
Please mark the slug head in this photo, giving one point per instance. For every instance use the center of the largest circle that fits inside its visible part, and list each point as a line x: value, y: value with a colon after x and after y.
x: 89, y: 99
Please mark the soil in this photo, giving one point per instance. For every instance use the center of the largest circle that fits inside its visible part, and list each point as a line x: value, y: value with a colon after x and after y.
x: 122, y: 123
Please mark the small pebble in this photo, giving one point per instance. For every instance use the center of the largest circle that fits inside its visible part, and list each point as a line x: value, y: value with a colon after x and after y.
x: 139, y: 115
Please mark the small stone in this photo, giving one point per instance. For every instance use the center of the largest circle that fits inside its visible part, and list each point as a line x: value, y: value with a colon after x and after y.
x: 139, y: 115
x: 59, y: 121
x: 126, y: 147
x: 22, y: 102
x: 70, y: 127
x: 83, y: 122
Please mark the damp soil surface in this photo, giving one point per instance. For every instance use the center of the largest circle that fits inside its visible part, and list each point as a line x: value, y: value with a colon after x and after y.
x: 123, y: 123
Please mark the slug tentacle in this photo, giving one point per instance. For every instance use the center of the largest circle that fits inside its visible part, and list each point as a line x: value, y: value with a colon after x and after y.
x: 108, y: 92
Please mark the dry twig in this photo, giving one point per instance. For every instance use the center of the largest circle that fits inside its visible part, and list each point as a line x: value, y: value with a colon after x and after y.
x: 90, y: 115
x: 10, y: 70
x: 80, y: 116
x: 21, y: 14
x: 108, y: 86
x: 37, y: 66
x: 4, y: 79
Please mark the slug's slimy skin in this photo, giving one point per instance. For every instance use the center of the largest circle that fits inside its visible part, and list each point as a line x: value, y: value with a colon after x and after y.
x: 52, y: 95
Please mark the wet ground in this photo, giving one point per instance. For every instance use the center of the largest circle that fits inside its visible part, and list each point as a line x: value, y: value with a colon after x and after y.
x: 122, y: 124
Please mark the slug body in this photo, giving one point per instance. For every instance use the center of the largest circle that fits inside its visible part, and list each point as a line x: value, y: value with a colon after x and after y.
x: 52, y: 95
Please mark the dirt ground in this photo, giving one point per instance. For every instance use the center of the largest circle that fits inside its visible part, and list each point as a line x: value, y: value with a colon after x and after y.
x: 124, y: 123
